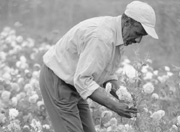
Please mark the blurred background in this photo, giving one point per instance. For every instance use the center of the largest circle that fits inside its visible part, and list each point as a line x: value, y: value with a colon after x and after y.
x: 48, y: 20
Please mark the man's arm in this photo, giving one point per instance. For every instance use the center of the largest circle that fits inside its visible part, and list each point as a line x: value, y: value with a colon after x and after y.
x: 92, y: 62
x: 100, y: 96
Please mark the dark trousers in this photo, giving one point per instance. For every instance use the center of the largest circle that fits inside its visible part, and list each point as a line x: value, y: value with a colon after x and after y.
x: 68, y: 112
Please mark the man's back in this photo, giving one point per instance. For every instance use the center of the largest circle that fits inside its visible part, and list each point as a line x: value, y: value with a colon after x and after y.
x: 64, y: 56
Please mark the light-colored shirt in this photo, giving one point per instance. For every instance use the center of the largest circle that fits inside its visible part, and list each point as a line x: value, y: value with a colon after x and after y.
x: 88, y: 54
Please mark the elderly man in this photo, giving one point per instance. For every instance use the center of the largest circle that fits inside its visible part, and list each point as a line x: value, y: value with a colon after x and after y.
x: 86, y: 57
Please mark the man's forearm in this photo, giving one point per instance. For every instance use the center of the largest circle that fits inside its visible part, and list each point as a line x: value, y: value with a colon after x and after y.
x: 100, y: 96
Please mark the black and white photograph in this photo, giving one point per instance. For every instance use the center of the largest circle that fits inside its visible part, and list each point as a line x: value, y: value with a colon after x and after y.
x: 89, y: 66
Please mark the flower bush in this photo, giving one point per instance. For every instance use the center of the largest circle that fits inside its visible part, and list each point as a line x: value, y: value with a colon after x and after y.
x: 154, y: 92
x: 21, y: 105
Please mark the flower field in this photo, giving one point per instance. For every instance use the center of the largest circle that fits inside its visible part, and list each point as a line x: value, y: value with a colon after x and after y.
x: 155, y: 92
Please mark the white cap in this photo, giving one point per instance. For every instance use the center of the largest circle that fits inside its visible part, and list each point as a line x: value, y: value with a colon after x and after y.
x: 143, y: 13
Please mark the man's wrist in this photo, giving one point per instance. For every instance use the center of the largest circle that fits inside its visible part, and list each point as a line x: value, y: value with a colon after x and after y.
x: 101, y: 97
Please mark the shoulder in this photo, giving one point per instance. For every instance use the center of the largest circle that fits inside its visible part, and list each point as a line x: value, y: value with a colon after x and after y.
x: 105, y: 35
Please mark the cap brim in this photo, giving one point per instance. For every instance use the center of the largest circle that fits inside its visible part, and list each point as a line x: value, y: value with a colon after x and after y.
x: 150, y: 31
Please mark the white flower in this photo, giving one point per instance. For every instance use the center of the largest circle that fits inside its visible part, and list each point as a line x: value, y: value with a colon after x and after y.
x: 17, y: 24
x: 148, y: 75
x: 148, y: 88
x: 121, y: 128
x: 23, y: 59
x: 20, y: 96
x: 36, y: 125
x: 26, y: 128
x: 144, y: 69
x: 14, y: 101
x: 13, y: 113
x: 157, y: 115
x: 169, y: 74
x: 33, y: 56
x: 178, y: 120
x: 14, y: 72
x: 28, y: 87
x: 130, y: 71
x: 31, y: 42
x: 35, y: 74
x: 18, y: 63
x: 20, y: 81
x: 22, y: 65
x: 126, y: 61
x: 155, y: 72
x: 123, y: 94
x: 7, y: 69
x: 19, y: 39
x: 40, y: 103
x: 13, y: 44
x: 33, y: 98
x: 46, y: 126
x: 108, y: 87
x: 111, y: 129
x: 155, y: 96
x: 24, y: 44
x: 120, y: 71
x: 113, y: 122
x: 30, y: 93
x: 14, y: 126
x: 128, y: 127
x: 5, y: 95
x: 6, y: 76
x: 149, y: 60
x: 2, y: 118
x: 2, y: 55
x: 106, y: 114
x: 145, y: 109
x: 10, y: 39
x: 98, y: 128
x: 36, y: 67
x: 163, y: 78
x: 10, y: 31
x: 167, y: 68
x: 172, y: 88
x: 34, y: 83
x: 173, y: 128
x: 15, y: 87
x: 6, y: 29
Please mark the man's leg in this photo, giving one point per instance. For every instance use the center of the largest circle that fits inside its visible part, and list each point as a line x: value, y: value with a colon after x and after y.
x: 85, y: 116
x: 60, y: 102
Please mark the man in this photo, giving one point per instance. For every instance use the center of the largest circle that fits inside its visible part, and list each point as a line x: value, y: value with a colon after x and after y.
x: 86, y: 57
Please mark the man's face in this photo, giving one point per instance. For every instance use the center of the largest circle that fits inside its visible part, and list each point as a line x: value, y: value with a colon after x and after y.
x: 133, y: 33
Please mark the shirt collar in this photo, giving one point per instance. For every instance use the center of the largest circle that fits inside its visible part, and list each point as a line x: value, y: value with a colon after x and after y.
x: 119, y: 31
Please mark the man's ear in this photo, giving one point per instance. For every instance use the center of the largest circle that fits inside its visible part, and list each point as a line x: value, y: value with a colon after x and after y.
x: 128, y: 22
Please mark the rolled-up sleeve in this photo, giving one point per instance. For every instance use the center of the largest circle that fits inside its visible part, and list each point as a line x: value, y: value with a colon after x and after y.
x: 92, y: 62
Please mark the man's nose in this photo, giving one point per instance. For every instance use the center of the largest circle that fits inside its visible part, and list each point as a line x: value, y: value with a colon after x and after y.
x: 138, y: 40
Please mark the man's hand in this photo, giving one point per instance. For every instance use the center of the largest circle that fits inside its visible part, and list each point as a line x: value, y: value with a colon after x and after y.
x: 124, y: 111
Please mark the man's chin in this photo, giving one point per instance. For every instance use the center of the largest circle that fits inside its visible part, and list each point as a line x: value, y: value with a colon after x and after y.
x: 129, y: 43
